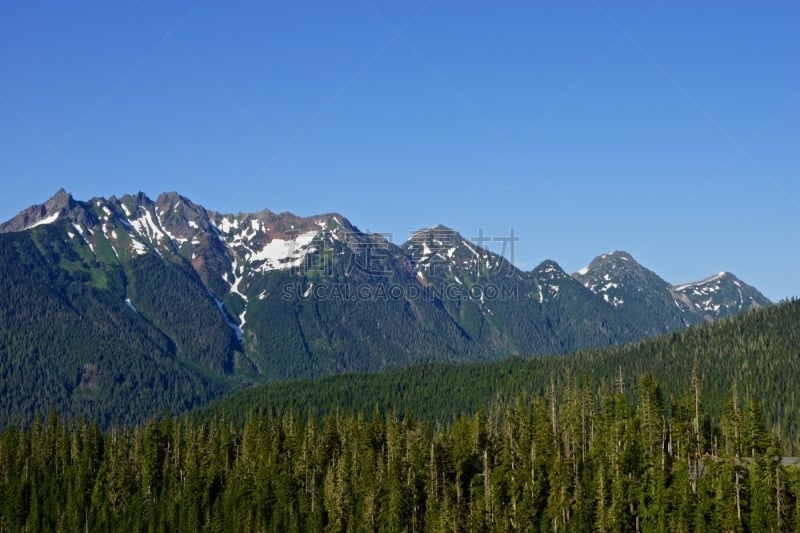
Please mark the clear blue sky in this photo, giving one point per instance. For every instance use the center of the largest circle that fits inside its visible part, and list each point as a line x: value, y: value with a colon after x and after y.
x: 667, y: 129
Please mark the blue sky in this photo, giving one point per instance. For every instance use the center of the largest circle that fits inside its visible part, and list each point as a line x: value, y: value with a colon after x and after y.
x: 670, y: 130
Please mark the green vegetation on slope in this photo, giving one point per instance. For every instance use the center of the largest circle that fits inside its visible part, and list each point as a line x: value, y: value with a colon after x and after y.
x: 593, y: 460
x: 574, y: 443
x: 69, y: 345
x: 755, y: 354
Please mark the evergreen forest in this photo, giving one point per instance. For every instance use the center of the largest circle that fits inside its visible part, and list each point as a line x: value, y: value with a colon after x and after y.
x: 695, y: 444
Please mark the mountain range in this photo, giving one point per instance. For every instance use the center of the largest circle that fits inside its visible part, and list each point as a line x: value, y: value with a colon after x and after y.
x: 120, y: 307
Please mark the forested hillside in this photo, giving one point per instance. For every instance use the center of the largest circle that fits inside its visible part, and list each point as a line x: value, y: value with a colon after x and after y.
x: 692, y: 432
x: 574, y: 458
x: 69, y: 341
x: 756, y: 354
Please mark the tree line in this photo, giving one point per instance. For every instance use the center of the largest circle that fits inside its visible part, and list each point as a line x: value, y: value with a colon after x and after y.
x: 573, y: 457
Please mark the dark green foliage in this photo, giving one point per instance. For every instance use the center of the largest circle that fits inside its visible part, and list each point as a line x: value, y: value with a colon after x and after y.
x: 649, y: 304
x: 575, y: 457
x: 176, y: 303
x: 70, y: 345
x: 290, y: 337
x: 519, y: 445
x: 581, y: 319
x: 756, y: 353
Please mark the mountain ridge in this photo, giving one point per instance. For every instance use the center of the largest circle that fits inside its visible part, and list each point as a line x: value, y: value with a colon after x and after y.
x: 611, y: 275
x: 207, y: 238
x: 252, y: 297
x: 62, y: 201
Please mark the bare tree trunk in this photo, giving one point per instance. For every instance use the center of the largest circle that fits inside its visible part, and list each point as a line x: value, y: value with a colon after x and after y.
x: 738, y: 497
x: 778, y: 503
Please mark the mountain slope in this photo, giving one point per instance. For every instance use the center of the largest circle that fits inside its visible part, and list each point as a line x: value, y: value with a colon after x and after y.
x: 69, y: 342
x: 756, y: 352
x: 657, y: 307
x: 581, y: 318
x: 718, y: 296
x: 542, y: 311
x: 213, y: 302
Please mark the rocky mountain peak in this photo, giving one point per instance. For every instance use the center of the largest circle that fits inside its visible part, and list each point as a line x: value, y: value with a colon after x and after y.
x: 37, y: 215
x: 550, y: 269
x: 60, y: 200
x: 441, y: 246
x: 621, y: 280
x: 612, y: 261
x: 720, y: 295
x: 615, y: 266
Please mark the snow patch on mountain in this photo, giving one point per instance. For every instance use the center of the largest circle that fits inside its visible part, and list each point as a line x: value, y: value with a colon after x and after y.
x: 226, y: 225
x: 242, y: 321
x: 138, y: 247
x: 705, y: 281
x: 237, y: 329
x: 47, y: 220
x: 471, y: 249
x: 130, y: 304
x: 280, y: 254
x: 147, y: 227
x: 175, y: 238
x: 238, y: 276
